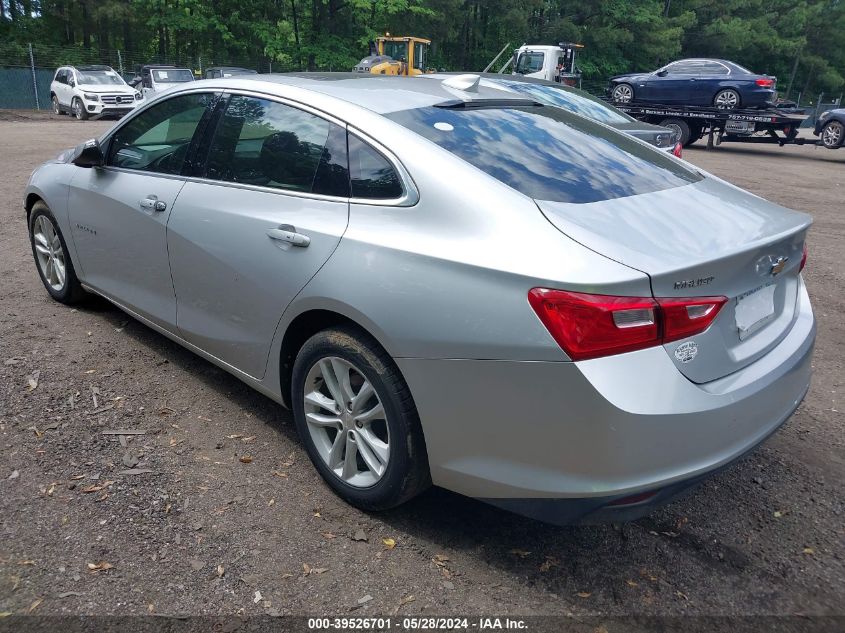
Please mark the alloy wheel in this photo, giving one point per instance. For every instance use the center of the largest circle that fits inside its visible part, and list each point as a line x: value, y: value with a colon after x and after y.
x: 56, y: 108
x: 77, y: 109
x: 347, y: 422
x: 727, y: 99
x: 50, y: 253
x: 623, y: 93
x: 832, y: 134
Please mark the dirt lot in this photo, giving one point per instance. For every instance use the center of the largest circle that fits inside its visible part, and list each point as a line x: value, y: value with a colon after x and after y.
x: 206, y: 533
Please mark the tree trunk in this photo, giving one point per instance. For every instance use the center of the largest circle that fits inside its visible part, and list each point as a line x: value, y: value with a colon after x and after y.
x: 296, y: 34
x: 86, y: 26
x: 127, y: 26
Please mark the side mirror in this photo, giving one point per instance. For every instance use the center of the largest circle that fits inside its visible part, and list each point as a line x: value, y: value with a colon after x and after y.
x: 89, y: 154
x: 662, y: 73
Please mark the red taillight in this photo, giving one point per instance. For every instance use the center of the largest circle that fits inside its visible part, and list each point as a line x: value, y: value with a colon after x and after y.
x: 765, y: 83
x: 590, y: 326
x: 803, y: 259
x: 684, y: 317
x: 678, y: 150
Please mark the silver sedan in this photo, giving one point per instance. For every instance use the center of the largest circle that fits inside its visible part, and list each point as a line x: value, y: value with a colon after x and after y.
x: 447, y: 283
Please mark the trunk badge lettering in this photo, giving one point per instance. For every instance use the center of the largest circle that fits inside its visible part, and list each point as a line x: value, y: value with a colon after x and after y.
x: 693, y: 283
x: 686, y: 352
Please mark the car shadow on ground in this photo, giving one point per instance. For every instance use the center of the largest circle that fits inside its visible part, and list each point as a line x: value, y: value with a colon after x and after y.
x: 820, y: 153
x: 559, y: 558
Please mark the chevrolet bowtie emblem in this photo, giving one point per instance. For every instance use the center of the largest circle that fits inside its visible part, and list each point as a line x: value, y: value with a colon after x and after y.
x: 778, y: 265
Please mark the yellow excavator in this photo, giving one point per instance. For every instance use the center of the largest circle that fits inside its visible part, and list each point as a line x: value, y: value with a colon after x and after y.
x: 392, y: 55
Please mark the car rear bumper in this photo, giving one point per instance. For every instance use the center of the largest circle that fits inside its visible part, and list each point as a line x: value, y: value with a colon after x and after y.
x: 758, y: 97
x: 561, y: 440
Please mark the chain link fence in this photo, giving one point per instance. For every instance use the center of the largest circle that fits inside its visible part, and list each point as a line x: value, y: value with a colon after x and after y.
x: 26, y: 71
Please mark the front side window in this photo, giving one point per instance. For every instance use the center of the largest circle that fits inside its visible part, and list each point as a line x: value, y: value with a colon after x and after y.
x: 713, y: 69
x: 158, y: 139
x: 396, y: 50
x: 371, y: 173
x: 529, y: 63
x: 680, y: 68
x: 269, y: 144
x: 548, y: 153
x: 419, y: 56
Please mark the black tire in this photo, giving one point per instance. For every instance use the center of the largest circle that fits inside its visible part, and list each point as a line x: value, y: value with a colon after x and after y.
x: 727, y: 99
x: 57, y: 107
x: 78, y: 109
x: 833, y: 135
x: 406, y: 473
x: 696, y: 132
x: 71, y: 292
x: 682, y: 128
x: 618, y: 89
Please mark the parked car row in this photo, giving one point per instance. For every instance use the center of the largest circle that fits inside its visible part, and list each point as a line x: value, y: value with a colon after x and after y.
x: 99, y: 91
x: 449, y: 281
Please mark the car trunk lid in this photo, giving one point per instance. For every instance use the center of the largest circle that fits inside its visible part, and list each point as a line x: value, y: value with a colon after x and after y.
x: 704, y: 239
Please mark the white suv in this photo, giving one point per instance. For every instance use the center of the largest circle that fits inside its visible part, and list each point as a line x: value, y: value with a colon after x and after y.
x: 87, y: 91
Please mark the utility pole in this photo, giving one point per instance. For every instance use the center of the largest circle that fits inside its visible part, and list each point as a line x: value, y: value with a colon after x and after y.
x: 34, y: 81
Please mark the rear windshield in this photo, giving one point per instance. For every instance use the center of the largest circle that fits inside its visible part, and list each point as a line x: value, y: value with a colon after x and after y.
x: 577, y: 102
x: 172, y: 76
x: 548, y: 153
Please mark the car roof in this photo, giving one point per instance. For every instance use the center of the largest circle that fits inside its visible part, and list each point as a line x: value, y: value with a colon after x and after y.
x: 381, y: 94
x: 726, y: 62
x: 230, y: 68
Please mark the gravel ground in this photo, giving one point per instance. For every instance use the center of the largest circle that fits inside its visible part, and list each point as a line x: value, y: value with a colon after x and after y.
x: 233, y: 519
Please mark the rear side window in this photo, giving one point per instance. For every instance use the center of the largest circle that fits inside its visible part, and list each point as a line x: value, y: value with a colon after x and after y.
x: 372, y: 175
x: 270, y: 144
x: 548, y: 153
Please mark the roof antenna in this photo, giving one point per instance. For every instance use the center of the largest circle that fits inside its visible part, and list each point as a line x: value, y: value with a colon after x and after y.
x: 467, y: 83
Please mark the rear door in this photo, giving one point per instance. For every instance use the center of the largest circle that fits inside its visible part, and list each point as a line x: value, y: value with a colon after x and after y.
x: 59, y: 85
x: 119, y: 212
x: 246, y: 238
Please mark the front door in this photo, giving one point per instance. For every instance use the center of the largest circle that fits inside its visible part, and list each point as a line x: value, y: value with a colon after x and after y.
x: 244, y: 242
x: 673, y: 87
x: 119, y: 213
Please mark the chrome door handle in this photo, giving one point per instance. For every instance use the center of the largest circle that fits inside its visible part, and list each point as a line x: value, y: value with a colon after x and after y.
x: 153, y: 204
x: 287, y: 233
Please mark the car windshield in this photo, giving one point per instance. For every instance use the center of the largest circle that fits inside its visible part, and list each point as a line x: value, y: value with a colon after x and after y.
x: 577, y: 102
x: 172, y: 75
x: 100, y: 77
x: 548, y: 153
x: 529, y: 62
x: 396, y: 50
